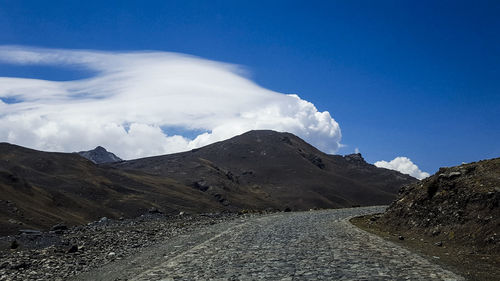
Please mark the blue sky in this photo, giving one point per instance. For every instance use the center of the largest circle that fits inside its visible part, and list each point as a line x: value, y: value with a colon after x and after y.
x: 402, y: 78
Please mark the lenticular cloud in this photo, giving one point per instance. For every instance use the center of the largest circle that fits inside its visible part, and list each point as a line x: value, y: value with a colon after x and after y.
x: 134, y: 99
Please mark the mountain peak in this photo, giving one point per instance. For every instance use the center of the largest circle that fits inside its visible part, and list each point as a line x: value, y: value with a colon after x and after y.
x: 100, y: 148
x: 100, y: 155
x: 265, y: 167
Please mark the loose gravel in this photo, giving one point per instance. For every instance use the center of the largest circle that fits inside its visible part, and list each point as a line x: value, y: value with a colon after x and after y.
x: 51, y: 256
x: 315, y: 245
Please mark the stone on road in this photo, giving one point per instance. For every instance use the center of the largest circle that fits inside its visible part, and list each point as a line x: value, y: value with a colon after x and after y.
x: 319, y: 245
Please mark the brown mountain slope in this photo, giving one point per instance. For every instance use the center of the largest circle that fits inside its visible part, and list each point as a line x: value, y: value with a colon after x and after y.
x: 39, y: 189
x: 262, y: 169
x: 257, y: 170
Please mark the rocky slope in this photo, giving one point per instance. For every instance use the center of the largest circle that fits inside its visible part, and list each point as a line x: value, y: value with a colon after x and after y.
x: 459, y: 205
x: 100, y: 155
x: 258, y: 170
x: 261, y: 169
x: 40, y: 189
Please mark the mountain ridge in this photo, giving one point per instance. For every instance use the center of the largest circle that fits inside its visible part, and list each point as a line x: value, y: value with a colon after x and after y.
x: 257, y: 170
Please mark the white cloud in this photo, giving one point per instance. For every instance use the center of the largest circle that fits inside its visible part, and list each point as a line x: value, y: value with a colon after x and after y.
x: 403, y: 165
x: 133, y: 95
x: 356, y: 150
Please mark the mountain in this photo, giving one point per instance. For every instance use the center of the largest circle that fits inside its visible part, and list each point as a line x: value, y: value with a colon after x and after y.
x: 457, y: 205
x: 40, y: 189
x: 100, y: 155
x: 257, y: 170
x: 261, y: 169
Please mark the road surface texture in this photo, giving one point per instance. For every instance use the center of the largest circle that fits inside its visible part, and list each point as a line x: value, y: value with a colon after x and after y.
x: 316, y: 245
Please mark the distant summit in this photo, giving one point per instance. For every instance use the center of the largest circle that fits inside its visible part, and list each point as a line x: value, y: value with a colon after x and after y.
x: 100, y: 155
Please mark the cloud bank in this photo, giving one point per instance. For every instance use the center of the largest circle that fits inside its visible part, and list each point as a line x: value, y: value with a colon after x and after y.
x: 139, y: 104
x: 403, y: 165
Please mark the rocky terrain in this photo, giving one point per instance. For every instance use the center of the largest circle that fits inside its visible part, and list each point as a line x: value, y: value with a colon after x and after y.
x: 64, y: 252
x: 459, y: 204
x: 312, y: 245
x: 453, y: 216
x: 258, y: 170
x: 100, y: 155
x: 261, y: 169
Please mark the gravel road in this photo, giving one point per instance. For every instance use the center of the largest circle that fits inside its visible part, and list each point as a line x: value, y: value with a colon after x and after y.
x: 316, y: 245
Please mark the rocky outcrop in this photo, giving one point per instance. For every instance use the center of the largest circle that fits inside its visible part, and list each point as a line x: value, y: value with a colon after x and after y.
x: 355, y: 158
x: 459, y: 204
